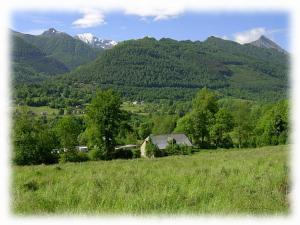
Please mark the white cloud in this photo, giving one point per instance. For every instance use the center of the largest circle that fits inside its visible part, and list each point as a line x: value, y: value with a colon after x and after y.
x: 255, y: 33
x: 90, y: 18
x: 250, y: 35
x: 95, y: 17
x: 162, y: 12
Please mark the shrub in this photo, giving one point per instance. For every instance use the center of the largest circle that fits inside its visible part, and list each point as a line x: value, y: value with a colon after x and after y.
x: 73, y: 156
x: 123, y: 154
x: 185, y: 150
x: 31, y: 186
x: 82, y: 157
x: 96, y: 153
x: 152, y: 150
x: 33, y: 140
x: 159, y: 153
x: 136, y: 153
x: 283, y: 138
x: 61, y: 111
x: 227, y: 142
x: 178, y: 149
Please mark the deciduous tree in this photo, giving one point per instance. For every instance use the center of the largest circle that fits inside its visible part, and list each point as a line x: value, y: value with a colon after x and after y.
x: 104, y: 117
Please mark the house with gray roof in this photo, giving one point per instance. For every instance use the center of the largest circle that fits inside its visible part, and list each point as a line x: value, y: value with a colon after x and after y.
x: 162, y: 141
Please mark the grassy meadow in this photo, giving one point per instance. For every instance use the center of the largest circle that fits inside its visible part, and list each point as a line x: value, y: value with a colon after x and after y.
x: 40, y: 109
x: 134, y: 108
x: 248, y: 181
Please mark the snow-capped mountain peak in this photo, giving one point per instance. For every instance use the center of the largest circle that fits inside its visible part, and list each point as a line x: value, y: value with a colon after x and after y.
x: 95, y: 42
x: 86, y: 37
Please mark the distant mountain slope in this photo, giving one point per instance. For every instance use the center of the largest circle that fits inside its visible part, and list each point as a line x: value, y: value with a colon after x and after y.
x: 264, y: 42
x: 61, y: 46
x: 95, y: 42
x: 29, y: 61
x: 136, y: 67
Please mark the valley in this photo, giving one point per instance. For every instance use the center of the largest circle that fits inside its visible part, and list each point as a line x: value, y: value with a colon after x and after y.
x: 149, y: 126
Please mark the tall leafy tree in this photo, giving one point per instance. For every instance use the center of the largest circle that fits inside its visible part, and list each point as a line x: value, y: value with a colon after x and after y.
x: 163, y: 124
x: 205, y: 100
x: 244, y: 126
x: 68, y: 129
x: 223, y: 124
x: 202, y: 117
x: 198, y: 122
x: 33, y: 140
x: 145, y: 129
x: 273, y: 126
x: 104, y: 117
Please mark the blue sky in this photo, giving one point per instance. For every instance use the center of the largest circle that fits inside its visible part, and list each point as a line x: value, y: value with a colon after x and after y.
x: 117, y: 25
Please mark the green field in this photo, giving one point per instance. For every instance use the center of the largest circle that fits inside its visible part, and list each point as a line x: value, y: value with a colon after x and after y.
x: 40, y: 109
x: 127, y: 106
x: 130, y: 107
x: 248, y: 181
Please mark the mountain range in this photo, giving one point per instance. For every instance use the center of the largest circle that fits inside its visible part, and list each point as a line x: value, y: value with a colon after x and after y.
x: 61, y: 46
x: 150, y: 69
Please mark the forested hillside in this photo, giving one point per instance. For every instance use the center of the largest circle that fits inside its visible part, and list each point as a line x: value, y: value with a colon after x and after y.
x: 30, y: 64
x: 61, y: 46
x: 167, y: 67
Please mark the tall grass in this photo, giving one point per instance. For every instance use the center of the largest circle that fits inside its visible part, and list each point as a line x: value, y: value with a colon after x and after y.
x: 249, y: 181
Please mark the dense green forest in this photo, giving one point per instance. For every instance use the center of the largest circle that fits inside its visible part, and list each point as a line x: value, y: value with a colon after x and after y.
x: 151, y: 70
x: 31, y: 65
x: 144, y: 65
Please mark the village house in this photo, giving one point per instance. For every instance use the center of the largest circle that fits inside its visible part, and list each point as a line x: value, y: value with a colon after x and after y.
x: 162, y: 141
x: 82, y: 148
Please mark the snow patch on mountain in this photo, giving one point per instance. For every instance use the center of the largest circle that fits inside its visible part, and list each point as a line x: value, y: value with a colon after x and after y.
x: 96, y: 42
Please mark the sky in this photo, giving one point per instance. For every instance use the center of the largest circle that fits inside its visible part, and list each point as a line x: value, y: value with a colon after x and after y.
x: 119, y: 25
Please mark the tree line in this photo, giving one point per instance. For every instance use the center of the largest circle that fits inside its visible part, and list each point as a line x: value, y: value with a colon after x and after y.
x: 237, y: 125
x: 208, y: 121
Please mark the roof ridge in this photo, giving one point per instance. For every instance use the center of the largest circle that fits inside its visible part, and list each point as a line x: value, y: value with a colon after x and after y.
x: 152, y: 135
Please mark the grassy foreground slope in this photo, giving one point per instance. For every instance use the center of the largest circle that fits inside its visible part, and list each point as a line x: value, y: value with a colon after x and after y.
x: 249, y: 181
